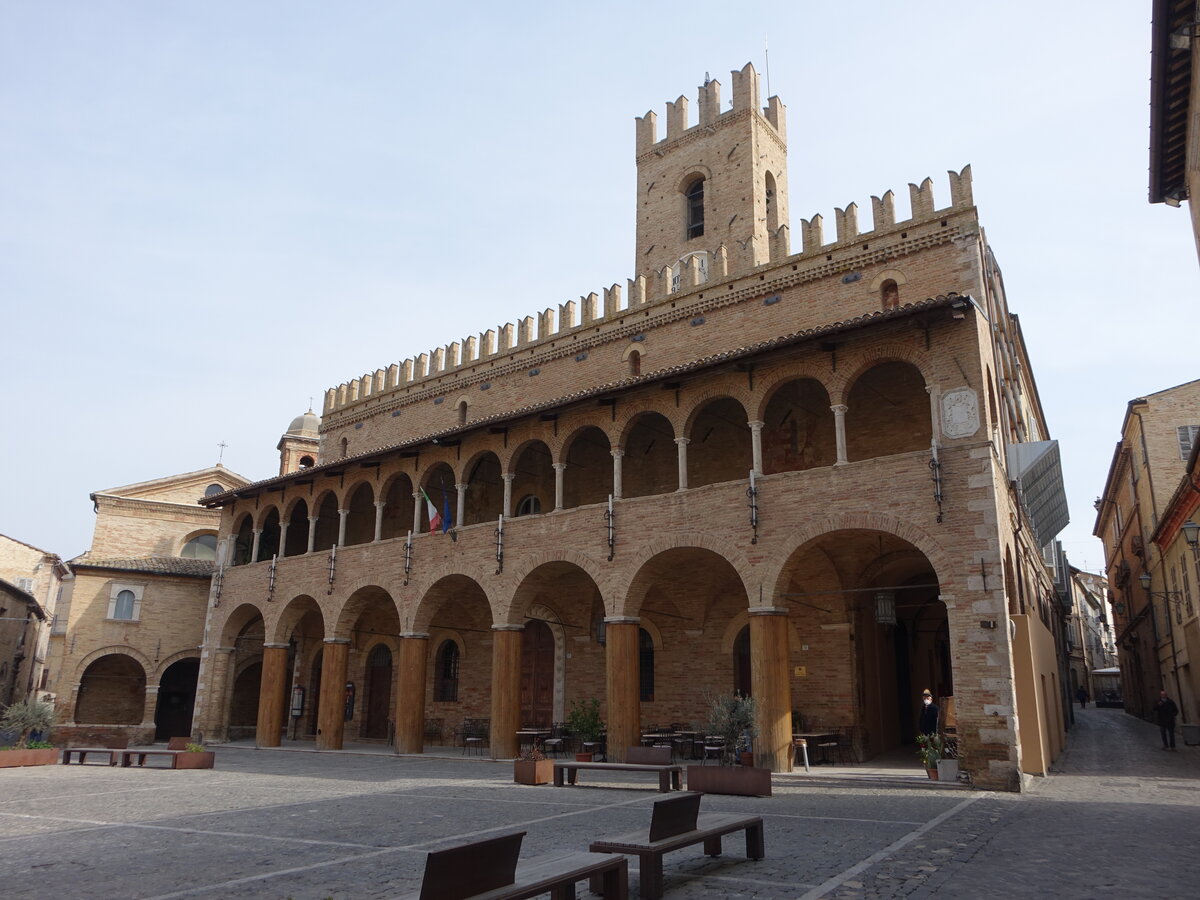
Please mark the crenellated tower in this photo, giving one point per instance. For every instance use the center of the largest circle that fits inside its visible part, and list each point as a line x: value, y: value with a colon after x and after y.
x: 712, y: 196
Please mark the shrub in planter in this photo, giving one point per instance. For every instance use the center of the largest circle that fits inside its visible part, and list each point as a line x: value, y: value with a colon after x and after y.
x: 26, y: 717
x: 584, y: 722
x: 195, y: 757
x: 929, y: 751
x: 731, y: 717
x: 533, y: 768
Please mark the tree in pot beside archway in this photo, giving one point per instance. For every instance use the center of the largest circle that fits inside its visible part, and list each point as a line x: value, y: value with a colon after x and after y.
x: 584, y: 722
x: 731, y: 717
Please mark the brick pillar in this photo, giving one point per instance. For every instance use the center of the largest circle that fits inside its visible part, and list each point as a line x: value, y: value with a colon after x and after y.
x: 681, y: 443
x: 771, y: 687
x: 330, y: 713
x: 839, y: 430
x: 559, y: 470
x: 617, y: 455
x: 506, y: 689
x: 379, y: 505
x: 756, y: 446
x: 312, y: 532
x: 624, y: 698
x: 211, y: 716
x: 410, y: 693
x: 270, y: 695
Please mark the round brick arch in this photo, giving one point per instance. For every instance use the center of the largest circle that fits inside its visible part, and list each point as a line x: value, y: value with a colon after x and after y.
x: 716, y: 392
x: 622, y: 585
x: 770, y: 386
x: 288, y: 615
x: 236, y: 618
x: 512, y: 614
x: 165, y: 664
x: 776, y: 572
x: 508, y: 458
x: 627, y: 417
x: 422, y: 612
x: 354, y: 603
x: 115, y: 650
x: 839, y: 386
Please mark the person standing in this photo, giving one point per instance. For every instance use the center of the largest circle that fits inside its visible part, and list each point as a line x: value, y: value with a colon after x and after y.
x: 1082, y: 696
x: 1165, y: 712
x: 929, y: 714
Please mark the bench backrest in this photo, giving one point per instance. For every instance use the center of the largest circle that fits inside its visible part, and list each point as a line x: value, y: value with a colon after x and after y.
x: 676, y: 815
x: 649, y: 756
x: 471, y: 869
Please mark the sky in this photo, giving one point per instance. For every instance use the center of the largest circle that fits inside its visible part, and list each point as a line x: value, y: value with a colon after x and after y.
x: 212, y: 211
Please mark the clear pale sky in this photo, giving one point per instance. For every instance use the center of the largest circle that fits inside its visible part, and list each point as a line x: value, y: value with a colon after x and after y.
x: 212, y: 211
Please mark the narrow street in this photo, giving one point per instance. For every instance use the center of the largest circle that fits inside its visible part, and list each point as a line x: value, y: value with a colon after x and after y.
x: 1119, y: 816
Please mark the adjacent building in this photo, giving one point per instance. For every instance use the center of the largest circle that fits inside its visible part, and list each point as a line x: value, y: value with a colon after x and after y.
x: 34, y: 579
x: 1175, y: 106
x: 821, y: 477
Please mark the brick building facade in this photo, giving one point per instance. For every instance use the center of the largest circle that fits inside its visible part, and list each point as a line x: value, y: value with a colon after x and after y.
x: 820, y: 477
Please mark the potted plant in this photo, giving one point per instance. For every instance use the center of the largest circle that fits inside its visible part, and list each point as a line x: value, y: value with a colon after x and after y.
x: 585, y: 723
x: 731, y: 719
x: 929, y: 750
x: 25, y: 718
x: 194, y: 756
x: 532, y: 767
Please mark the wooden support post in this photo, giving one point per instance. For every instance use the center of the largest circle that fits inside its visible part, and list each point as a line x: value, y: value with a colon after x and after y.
x: 271, y: 695
x: 410, y: 693
x: 332, y: 703
x: 506, y: 690
x: 770, y: 684
x: 624, y: 698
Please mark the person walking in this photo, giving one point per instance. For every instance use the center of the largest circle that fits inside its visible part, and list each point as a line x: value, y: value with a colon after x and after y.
x: 1082, y: 696
x: 1165, y: 712
x: 929, y: 714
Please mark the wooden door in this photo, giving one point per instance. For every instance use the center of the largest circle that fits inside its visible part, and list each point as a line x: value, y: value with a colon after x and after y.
x: 537, y: 675
x: 379, y: 693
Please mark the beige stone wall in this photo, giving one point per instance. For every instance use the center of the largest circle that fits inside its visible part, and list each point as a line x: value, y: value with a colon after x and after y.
x: 136, y: 528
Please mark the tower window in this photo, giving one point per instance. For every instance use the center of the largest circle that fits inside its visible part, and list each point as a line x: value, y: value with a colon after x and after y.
x: 695, y: 208
x: 635, y: 363
x: 889, y: 294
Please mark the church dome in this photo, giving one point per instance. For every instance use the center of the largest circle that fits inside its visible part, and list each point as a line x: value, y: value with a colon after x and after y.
x: 306, y: 425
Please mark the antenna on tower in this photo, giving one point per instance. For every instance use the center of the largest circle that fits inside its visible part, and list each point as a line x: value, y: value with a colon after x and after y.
x: 767, y: 65
x: 707, y: 79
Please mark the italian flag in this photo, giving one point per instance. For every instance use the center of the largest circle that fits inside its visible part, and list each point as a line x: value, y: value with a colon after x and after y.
x: 435, y: 518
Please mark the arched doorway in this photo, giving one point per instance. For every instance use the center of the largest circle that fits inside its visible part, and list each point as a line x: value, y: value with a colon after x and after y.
x: 176, y: 700
x: 379, y: 693
x: 537, y: 675
x: 112, y: 691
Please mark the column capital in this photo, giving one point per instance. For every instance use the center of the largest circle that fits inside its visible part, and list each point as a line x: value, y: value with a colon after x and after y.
x: 414, y: 635
x: 767, y: 611
x: 683, y: 441
x: 839, y: 409
x: 617, y: 452
x: 275, y: 645
x: 461, y: 487
x: 622, y: 620
x: 314, y: 519
x: 558, y: 467
x: 337, y: 640
x: 343, y: 512
x: 508, y: 628
x: 256, y: 531
x: 756, y: 424
x: 380, y: 504
x: 508, y: 476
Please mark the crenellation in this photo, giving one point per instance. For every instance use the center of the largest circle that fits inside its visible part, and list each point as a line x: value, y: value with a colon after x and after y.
x: 525, y: 331
x: 487, y: 343
x: 647, y: 131
x: 612, y: 300
x: 566, y: 316
x: 781, y: 242
x: 408, y: 370
x: 470, y: 349
x: 637, y: 291
x: 720, y: 266
x: 677, y: 117
x: 883, y: 211
x: 380, y: 384
x: 960, y: 188
x: 546, y: 323
x: 421, y: 366
x: 776, y: 113
x: 745, y: 88
x: 813, y: 233
x: 710, y: 102
x: 590, y: 306
x: 393, y: 376
x: 690, y: 275
x: 922, y: 199
x: 846, y: 221
x: 453, y: 355
x: 504, y: 338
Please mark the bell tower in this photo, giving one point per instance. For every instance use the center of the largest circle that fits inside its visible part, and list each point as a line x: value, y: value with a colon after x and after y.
x: 714, y: 192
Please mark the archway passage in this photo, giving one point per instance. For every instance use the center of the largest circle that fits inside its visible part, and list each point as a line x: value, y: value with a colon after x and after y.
x: 537, y: 675
x: 112, y: 691
x: 865, y: 603
x: 379, y: 693
x: 176, y: 700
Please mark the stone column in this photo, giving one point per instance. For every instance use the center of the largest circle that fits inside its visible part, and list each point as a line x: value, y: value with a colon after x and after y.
x: 622, y: 682
x: 935, y: 423
x: 410, y: 693
x: 559, y: 471
x: 331, y: 722
x: 270, y: 695
x: 508, y: 483
x: 343, y: 514
x: 617, y: 456
x: 312, y: 532
x: 770, y: 684
x: 506, y: 689
x: 283, y: 530
x: 254, y: 546
x: 839, y: 430
x: 756, y: 446
x: 379, y: 505
x: 149, y: 705
x: 418, y: 506
x: 461, y: 511
x: 681, y: 444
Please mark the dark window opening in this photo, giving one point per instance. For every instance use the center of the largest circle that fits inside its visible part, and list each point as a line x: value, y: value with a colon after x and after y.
x: 635, y: 363
x: 889, y: 294
x: 695, y: 208
x: 445, y: 688
x: 307, y: 462
x: 645, y: 665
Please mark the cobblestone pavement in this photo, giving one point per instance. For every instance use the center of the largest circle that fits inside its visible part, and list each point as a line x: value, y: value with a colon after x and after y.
x: 1119, y: 816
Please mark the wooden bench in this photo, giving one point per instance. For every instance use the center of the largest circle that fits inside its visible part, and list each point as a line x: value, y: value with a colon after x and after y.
x: 127, y: 756
x: 638, y: 759
x: 676, y: 823
x: 489, y: 870
x: 81, y: 754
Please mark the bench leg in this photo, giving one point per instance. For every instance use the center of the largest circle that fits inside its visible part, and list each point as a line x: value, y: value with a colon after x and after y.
x: 558, y: 777
x: 712, y: 845
x: 572, y: 775
x: 754, y: 842
x: 614, y: 882
x: 563, y: 892
x: 677, y: 780
x: 651, y: 872
x: 664, y: 782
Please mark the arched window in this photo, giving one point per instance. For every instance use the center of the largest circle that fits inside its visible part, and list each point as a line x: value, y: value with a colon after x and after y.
x: 445, y: 685
x: 462, y: 412
x: 635, y: 363
x: 694, y: 196
x: 529, y: 506
x: 889, y: 294
x: 213, y: 489
x: 202, y: 546
x: 307, y: 462
x: 645, y: 665
x: 123, y: 607
x: 345, y: 447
